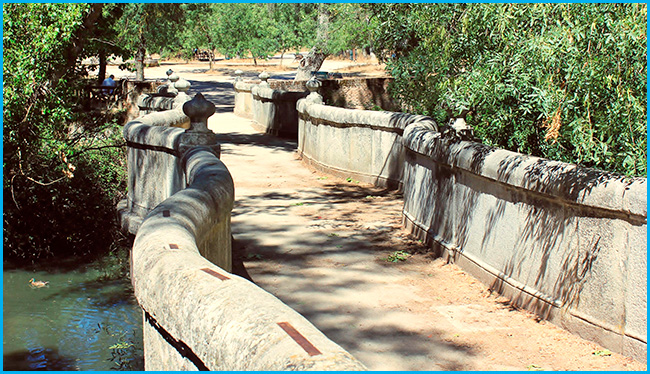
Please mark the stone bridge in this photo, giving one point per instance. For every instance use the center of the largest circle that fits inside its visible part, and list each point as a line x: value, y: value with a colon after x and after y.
x: 564, y: 242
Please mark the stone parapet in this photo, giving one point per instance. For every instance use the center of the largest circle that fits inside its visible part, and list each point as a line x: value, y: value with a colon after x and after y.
x: 271, y: 104
x: 565, y: 242
x: 274, y: 111
x: 361, y: 144
x: 197, y: 315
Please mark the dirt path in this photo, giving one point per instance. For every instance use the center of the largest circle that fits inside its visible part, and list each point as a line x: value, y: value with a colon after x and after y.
x: 325, y: 247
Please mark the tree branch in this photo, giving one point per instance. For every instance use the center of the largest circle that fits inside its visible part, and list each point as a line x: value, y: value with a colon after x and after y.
x: 98, y: 148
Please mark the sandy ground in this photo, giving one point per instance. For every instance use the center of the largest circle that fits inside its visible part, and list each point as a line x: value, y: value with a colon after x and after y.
x: 225, y: 69
x: 324, y: 246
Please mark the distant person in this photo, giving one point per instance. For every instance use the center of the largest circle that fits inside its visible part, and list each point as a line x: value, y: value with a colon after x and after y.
x: 109, y: 82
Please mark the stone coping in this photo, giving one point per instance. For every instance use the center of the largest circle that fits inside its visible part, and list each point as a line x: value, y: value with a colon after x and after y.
x: 270, y: 94
x: 154, y: 129
x: 381, y: 120
x: 583, y: 186
x: 224, y: 322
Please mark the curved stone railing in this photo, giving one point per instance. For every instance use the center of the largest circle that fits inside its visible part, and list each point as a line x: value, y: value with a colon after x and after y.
x: 360, y: 144
x: 196, y: 314
x: 274, y: 111
x: 566, y: 242
x: 272, y: 105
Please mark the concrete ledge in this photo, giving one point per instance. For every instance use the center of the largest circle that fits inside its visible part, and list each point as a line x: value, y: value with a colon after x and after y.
x: 565, y: 242
x: 583, y: 186
x: 199, y: 316
x: 362, y: 144
x: 275, y: 111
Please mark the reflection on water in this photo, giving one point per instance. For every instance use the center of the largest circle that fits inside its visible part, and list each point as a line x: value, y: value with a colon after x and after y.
x: 83, y: 320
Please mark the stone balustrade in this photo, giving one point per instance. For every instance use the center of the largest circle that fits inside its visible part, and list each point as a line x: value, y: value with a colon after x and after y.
x: 361, y: 144
x: 197, y: 315
x: 565, y: 242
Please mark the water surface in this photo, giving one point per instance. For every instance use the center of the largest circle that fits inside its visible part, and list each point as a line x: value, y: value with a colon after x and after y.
x: 85, y: 319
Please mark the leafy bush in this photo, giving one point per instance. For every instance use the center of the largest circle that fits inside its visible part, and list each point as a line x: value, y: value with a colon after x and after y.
x: 63, y: 169
x: 560, y: 81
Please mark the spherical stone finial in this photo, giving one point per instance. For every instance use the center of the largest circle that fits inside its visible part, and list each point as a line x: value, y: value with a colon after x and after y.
x: 239, y: 73
x: 264, y: 77
x: 173, y: 77
x: 182, y: 85
x: 169, y: 72
x: 199, y: 110
x: 313, y: 84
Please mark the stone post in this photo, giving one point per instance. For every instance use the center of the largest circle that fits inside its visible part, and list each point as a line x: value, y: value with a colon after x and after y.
x: 264, y: 77
x: 181, y: 87
x: 238, y: 75
x: 173, y: 78
x: 199, y: 110
x: 313, y: 85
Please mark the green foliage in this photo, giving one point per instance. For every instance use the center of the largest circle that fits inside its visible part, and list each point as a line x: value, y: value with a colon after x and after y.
x: 602, y: 352
x: 560, y: 81
x: 62, y: 172
x: 349, y: 27
x: 294, y: 25
x: 153, y: 25
x: 126, y: 354
x: 397, y: 256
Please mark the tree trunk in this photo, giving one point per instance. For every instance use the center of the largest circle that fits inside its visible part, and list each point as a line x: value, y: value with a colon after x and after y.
x: 139, y: 63
x: 309, y: 64
x: 314, y: 59
x: 211, y: 57
x: 101, y: 75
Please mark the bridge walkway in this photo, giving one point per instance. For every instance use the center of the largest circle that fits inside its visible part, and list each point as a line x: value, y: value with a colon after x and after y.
x: 333, y: 249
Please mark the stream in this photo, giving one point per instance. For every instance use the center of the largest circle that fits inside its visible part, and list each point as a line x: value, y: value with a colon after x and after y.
x: 86, y: 318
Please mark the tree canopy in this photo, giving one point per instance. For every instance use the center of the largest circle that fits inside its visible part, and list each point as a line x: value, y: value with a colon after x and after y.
x: 61, y: 173
x: 561, y: 81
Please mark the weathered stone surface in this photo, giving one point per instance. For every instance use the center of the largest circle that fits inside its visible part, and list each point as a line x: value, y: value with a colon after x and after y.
x: 198, y: 315
x: 243, y: 98
x: 275, y: 111
x: 229, y: 324
x: 560, y: 240
x: 154, y: 170
x: 364, y: 145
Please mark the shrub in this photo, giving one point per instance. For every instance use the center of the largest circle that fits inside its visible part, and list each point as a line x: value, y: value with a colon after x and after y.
x: 560, y: 81
x: 63, y: 169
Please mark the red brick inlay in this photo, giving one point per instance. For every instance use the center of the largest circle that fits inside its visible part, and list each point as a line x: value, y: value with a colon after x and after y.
x: 165, y: 213
x: 173, y: 246
x: 215, y: 274
x: 301, y: 340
